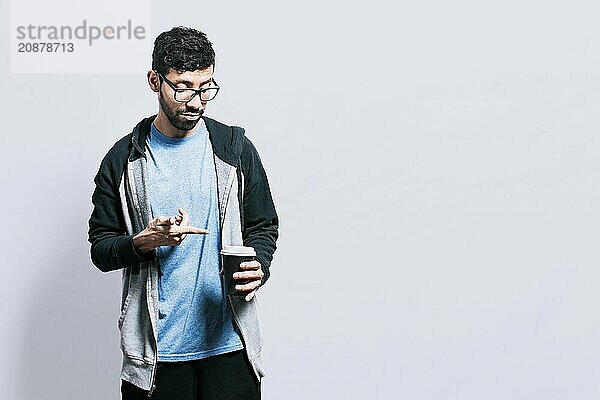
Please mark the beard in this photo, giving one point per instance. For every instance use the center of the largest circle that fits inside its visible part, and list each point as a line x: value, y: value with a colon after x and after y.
x: 175, y: 117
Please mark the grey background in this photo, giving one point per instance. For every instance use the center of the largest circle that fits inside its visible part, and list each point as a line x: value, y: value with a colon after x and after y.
x: 435, y: 167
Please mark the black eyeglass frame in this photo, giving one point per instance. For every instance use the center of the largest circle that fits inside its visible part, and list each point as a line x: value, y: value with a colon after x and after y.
x: 197, y: 92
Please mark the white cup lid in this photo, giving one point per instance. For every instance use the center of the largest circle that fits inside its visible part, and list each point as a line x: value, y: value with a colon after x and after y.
x: 238, y: 251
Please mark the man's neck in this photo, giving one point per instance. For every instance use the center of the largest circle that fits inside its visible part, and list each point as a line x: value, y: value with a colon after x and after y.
x: 164, y: 126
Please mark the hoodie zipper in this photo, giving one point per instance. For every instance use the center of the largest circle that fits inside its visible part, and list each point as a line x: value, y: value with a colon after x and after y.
x: 154, y: 335
x: 154, y: 365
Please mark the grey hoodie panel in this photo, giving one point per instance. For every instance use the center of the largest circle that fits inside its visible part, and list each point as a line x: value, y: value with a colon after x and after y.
x: 245, y: 314
x: 223, y: 171
x: 125, y: 271
x: 231, y: 228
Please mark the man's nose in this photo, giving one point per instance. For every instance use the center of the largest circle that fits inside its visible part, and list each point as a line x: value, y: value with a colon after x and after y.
x: 194, y: 102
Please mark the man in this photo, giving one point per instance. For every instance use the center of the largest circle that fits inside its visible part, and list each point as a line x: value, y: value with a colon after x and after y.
x: 168, y: 196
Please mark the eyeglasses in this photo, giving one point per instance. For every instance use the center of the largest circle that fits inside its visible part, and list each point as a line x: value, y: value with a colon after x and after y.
x: 184, y: 95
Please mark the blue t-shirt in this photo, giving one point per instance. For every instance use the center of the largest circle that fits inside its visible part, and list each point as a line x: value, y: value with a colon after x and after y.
x: 195, y: 320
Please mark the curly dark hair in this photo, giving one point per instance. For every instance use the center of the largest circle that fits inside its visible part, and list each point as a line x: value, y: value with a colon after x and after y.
x: 183, y: 49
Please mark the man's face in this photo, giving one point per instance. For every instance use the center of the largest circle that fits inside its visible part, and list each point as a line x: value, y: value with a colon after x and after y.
x: 184, y: 116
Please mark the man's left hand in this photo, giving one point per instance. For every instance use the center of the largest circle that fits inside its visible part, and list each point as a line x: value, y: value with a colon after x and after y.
x: 252, y: 273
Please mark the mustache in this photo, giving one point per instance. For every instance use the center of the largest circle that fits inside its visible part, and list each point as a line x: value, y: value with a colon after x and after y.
x: 191, y: 111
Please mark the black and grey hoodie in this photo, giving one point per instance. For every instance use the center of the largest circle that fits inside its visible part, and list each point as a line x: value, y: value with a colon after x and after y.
x: 121, y: 210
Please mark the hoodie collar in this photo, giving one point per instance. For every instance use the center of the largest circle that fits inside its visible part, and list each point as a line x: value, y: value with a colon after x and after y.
x: 226, y: 142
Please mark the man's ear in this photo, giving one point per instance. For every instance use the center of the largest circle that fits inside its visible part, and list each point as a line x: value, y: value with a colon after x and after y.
x: 153, y: 81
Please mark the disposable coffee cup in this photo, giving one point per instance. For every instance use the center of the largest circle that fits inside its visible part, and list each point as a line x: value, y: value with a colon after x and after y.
x: 233, y: 256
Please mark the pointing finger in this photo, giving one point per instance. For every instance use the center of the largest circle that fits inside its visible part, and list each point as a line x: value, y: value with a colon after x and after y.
x: 189, y: 229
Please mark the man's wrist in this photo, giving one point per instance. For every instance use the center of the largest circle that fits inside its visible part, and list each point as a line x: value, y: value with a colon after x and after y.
x: 140, y: 245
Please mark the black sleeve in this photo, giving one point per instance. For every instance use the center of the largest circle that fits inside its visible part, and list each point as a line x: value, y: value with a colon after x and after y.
x: 112, y: 248
x: 261, y: 222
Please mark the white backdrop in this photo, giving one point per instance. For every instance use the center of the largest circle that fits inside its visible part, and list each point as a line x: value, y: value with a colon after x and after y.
x: 435, y: 167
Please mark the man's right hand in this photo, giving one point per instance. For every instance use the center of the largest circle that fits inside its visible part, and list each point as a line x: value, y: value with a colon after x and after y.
x: 164, y: 231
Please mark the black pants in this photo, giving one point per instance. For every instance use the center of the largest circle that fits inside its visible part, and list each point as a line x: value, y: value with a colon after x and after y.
x: 223, y: 377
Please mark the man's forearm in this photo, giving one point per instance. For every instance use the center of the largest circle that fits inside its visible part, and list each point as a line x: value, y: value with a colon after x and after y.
x: 113, y: 252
